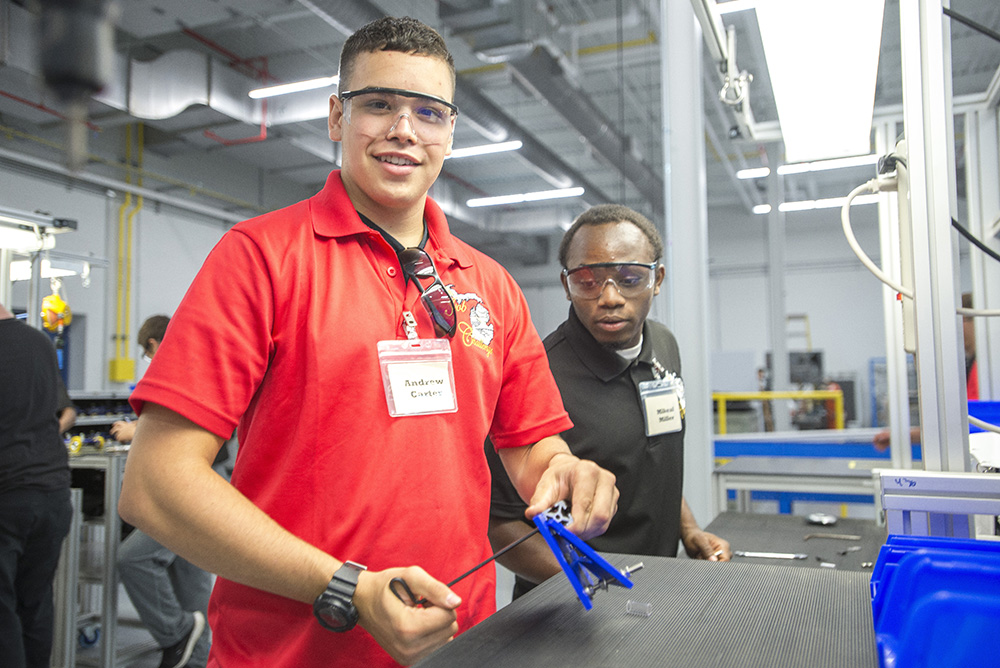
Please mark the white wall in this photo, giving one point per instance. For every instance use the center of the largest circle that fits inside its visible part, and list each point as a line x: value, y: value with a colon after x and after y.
x: 170, y: 246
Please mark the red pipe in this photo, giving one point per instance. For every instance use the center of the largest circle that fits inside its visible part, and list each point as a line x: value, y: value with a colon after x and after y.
x: 47, y: 110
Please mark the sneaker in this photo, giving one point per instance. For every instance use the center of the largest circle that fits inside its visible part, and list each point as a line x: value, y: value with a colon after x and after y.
x: 177, y: 655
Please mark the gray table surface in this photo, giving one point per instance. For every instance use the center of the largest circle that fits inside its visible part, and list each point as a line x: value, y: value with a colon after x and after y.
x: 754, y: 532
x: 703, y: 615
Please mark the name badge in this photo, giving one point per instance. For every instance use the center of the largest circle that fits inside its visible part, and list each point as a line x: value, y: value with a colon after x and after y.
x: 417, y: 376
x: 661, y: 406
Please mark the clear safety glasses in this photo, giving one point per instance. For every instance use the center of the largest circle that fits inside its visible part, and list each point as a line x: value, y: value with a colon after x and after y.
x: 418, y: 266
x: 631, y: 279
x: 377, y: 111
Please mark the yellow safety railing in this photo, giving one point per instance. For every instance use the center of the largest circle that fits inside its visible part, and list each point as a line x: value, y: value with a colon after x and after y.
x: 720, y: 398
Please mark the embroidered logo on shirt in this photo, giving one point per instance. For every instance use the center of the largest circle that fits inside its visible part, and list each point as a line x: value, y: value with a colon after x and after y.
x: 478, y: 331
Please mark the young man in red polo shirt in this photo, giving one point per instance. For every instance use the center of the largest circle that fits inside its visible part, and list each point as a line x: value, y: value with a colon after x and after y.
x: 374, y: 353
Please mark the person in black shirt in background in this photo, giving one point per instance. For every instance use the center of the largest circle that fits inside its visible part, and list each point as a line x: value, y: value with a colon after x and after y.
x: 610, y: 362
x: 35, y: 510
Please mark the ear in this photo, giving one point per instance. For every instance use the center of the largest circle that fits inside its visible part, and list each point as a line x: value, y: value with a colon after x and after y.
x: 562, y: 277
x: 661, y: 273
x: 336, y: 118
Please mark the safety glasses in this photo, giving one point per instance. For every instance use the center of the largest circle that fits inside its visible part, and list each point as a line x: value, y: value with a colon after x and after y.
x: 631, y: 279
x: 376, y: 111
x: 418, y: 266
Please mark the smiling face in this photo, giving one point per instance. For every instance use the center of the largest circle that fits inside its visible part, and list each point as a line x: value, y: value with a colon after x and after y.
x: 387, y: 176
x: 613, y: 320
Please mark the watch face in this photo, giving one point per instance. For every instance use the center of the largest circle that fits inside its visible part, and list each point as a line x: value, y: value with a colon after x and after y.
x: 334, y: 608
x: 332, y: 616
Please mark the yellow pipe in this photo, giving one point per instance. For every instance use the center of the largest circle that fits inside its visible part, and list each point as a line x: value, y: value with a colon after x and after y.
x: 837, y: 395
x: 120, y: 283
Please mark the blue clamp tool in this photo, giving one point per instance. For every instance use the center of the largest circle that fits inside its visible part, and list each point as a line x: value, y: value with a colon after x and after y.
x: 577, y: 558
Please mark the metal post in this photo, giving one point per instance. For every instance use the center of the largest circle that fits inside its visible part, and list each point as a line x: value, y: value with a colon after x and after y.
x: 927, y: 117
x: 896, y: 375
x: 686, y: 231
x: 776, y: 285
x: 34, y: 305
x: 982, y: 163
x: 6, y: 287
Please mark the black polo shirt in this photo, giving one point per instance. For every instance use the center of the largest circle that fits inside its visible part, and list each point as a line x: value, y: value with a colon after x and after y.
x: 600, y: 391
x: 32, y: 455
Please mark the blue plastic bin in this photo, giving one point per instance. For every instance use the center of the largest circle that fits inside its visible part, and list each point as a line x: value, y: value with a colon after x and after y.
x: 936, y: 602
x: 987, y: 411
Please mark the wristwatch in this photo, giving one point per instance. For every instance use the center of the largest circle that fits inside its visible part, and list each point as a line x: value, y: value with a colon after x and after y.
x: 334, y: 608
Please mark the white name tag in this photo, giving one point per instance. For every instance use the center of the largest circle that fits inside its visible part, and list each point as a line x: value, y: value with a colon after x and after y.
x: 417, y: 376
x: 661, y: 406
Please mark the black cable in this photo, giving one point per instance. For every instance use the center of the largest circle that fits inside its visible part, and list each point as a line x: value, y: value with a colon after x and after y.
x: 973, y: 240
x: 972, y: 24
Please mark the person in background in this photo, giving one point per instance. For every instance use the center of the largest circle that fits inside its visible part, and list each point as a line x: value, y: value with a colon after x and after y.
x: 882, y: 439
x: 620, y: 378
x: 151, y: 333
x: 169, y: 593
x: 35, y: 510
x: 969, y: 339
x: 374, y: 354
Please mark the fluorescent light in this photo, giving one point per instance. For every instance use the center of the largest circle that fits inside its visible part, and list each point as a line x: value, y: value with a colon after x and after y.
x: 19, y: 239
x: 294, y: 87
x: 811, y: 204
x: 822, y: 58
x: 484, y: 149
x: 821, y: 165
x: 734, y: 6
x: 20, y: 270
x: 753, y: 173
x: 525, y: 197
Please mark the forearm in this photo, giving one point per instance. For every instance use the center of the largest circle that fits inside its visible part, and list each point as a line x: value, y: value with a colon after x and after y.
x: 67, y: 418
x: 689, y: 524
x: 547, y: 472
x: 532, y: 559
x: 171, y: 492
x: 525, y: 466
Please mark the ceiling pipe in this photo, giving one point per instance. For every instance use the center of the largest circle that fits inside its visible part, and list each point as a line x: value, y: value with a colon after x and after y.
x: 549, y: 166
x: 545, y: 74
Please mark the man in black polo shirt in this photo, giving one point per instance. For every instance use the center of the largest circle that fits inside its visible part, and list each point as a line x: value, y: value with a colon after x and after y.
x: 35, y: 509
x: 620, y: 379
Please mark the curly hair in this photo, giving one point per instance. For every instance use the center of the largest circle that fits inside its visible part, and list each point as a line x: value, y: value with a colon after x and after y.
x: 390, y: 33
x: 602, y: 214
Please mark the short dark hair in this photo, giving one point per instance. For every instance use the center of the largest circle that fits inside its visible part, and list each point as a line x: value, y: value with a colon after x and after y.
x: 154, y: 328
x: 390, y: 33
x: 603, y: 214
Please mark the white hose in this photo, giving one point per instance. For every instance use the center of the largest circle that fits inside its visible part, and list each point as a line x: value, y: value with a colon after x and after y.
x: 845, y: 219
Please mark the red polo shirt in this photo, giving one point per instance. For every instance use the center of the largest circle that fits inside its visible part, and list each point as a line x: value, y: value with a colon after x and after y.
x: 278, y: 334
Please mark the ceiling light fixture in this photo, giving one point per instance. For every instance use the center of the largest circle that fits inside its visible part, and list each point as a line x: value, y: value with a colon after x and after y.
x: 754, y: 173
x: 811, y: 204
x: 525, y: 197
x: 484, y: 149
x: 294, y: 87
x: 734, y: 6
x: 822, y: 59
